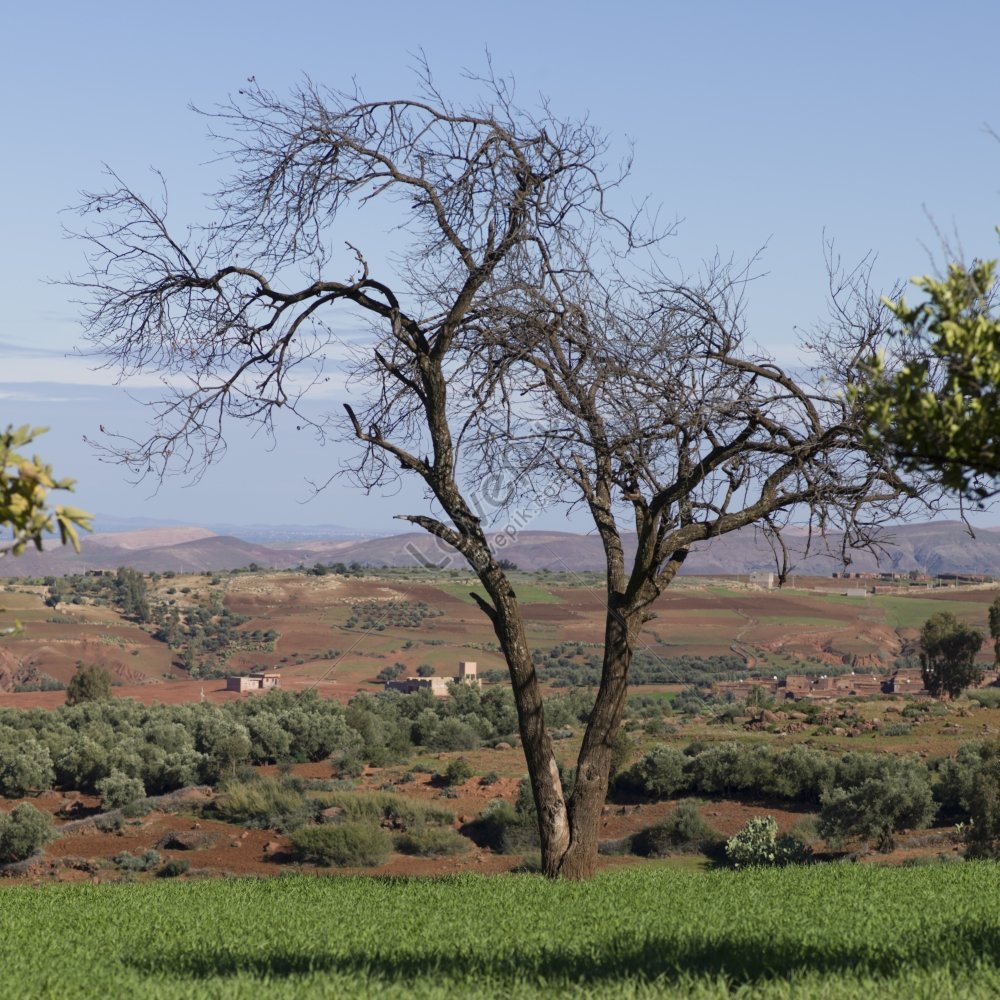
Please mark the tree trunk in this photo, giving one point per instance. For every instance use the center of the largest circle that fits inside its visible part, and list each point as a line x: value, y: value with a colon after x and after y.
x: 543, y: 769
x: 590, y: 792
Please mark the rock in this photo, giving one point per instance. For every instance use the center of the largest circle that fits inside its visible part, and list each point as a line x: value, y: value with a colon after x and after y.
x: 272, y: 847
x: 503, y: 746
x: 332, y: 815
x: 186, y: 840
x: 196, y: 826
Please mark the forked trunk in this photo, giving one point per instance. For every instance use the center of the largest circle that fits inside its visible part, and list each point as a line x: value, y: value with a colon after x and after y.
x: 586, y: 805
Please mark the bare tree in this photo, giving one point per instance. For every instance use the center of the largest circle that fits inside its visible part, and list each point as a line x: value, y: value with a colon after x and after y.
x: 521, y: 325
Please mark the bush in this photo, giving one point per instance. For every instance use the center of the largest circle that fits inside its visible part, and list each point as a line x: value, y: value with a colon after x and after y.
x: 983, y: 802
x: 897, y: 729
x: 270, y: 803
x: 26, y: 768
x: 109, y: 824
x: 23, y: 831
x: 893, y: 795
x: 660, y: 774
x: 129, y: 862
x: 90, y: 683
x: 432, y: 842
x: 758, y: 844
x: 344, y: 845
x: 503, y: 829
x: 386, y: 809
x: 118, y: 789
x: 682, y: 830
x: 173, y: 868
x: 458, y: 772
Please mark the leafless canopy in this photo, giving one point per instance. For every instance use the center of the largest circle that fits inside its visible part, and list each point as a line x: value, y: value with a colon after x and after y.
x: 521, y: 328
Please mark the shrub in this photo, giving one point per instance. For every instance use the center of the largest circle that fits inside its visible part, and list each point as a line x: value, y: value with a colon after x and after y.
x: 682, y: 830
x: 109, y: 824
x: 270, y: 803
x: 503, y: 829
x: 90, y: 683
x: 897, y: 729
x: 659, y: 774
x: 758, y: 844
x: 755, y: 844
x: 118, y: 789
x: 23, y: 831
x: 387, y: 809
x: 458, y: 772
x: 344, y: 845
x: 453, y: 734
x: 893, y: 795
x: 129, y: 862
x: 173, y: 868
x: 432, y: 842
x: 26, y: 768
x: 983, y: 801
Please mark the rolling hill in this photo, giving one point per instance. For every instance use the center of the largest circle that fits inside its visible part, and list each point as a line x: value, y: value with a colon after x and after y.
x: 933, y: 548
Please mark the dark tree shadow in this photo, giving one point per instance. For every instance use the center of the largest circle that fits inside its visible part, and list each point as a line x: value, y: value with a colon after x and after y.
x: 742, y: 961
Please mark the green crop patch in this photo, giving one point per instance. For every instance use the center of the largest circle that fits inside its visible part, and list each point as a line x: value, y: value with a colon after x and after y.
x: 833, y: 931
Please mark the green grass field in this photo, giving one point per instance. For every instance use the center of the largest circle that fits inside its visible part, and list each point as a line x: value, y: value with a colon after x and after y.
x: 825, y: 931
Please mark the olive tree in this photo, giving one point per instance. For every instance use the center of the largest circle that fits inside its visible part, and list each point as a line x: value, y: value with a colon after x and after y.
x: 522, y: 334
x: 948, y: 650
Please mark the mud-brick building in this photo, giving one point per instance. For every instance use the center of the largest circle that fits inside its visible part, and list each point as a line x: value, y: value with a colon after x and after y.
x: 438, y: 686
x: 262, y: 681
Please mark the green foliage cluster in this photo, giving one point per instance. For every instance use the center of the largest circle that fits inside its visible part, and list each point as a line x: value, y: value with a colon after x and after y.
x: 144, y: 862
x: 865, y: 795
x: 948, y: 651
x: 680, y: 831
x: 204, y: 633
x: 378, y: 615
x: 165, y: 747
x: 431, y: 842
x: 119, y: 789
x: 125, y: 590
x: 940, y: 412
x: 25, y: 485
x: 23, y: 831
x: 91, y: 682
x: 344, y: 845
x: 798, y: 931
x: 758, y: 845
x: 572, y: 664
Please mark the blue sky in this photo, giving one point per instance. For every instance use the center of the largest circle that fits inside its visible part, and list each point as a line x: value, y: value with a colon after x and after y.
x: 763, y: 123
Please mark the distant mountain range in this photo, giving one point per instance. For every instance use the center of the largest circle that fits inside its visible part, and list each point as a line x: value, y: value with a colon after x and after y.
x: 933, y: 548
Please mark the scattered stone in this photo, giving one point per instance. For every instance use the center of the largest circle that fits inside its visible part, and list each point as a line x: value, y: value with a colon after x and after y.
x: 503, y: 746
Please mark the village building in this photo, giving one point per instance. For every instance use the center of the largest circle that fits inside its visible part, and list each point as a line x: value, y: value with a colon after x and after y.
x: 438, y: 686
x: 261, y: 681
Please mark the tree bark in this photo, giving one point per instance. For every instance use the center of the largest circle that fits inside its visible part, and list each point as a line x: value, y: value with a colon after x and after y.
x: 543, y: 769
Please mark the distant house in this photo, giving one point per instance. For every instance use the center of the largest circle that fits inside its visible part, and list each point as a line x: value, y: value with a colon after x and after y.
x: 262, y: 681
x: 438, y: 686
x: 762, y: 579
